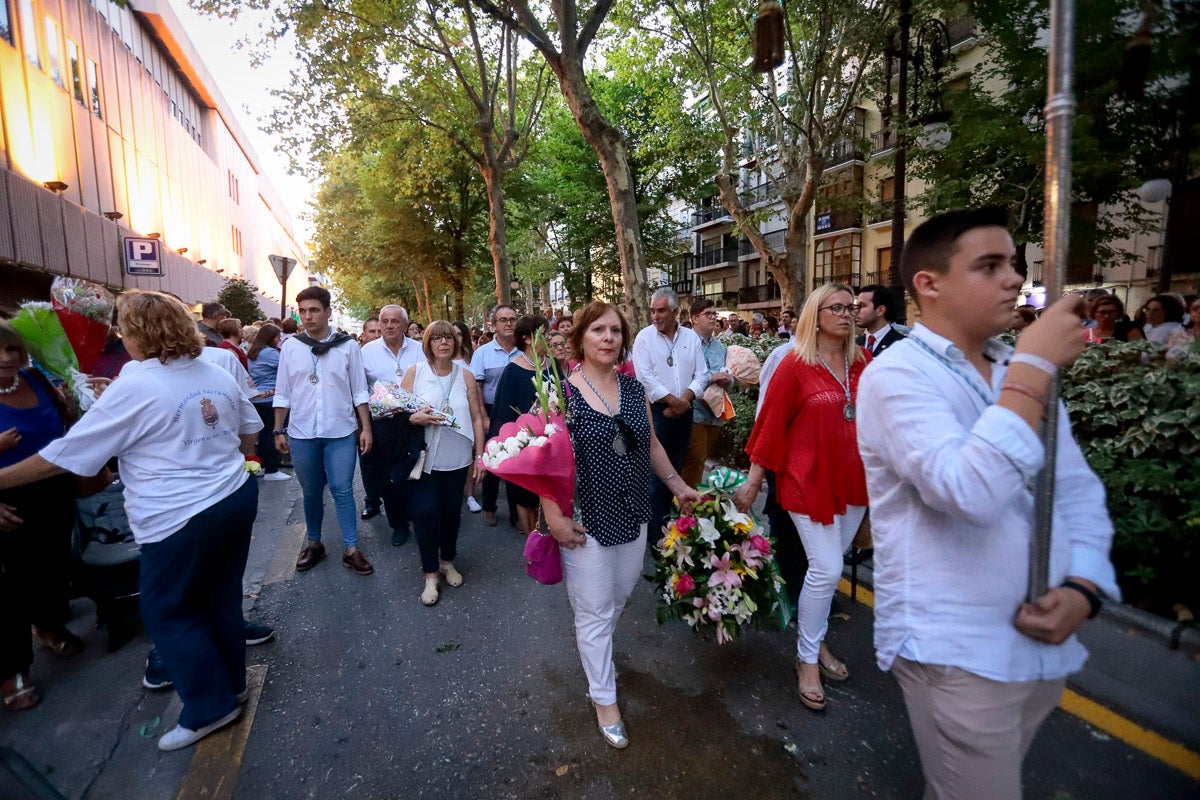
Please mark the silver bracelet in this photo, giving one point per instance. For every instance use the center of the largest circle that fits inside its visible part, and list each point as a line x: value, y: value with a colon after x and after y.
x: 1044, y: 364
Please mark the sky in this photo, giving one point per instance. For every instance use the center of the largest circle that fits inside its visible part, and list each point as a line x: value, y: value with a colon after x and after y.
x: 247, y: 90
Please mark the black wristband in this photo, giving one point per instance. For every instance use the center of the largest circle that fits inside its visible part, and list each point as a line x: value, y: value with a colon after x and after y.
x: 1092, y: 598
x: 279, y: 432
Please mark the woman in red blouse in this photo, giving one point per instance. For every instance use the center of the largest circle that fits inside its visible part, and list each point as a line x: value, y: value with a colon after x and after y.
x: 805, y: 434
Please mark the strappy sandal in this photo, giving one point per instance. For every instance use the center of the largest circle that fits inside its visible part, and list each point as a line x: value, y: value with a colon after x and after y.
x: 833, y: 669
x: 811, y: 696
x: 19, y: 694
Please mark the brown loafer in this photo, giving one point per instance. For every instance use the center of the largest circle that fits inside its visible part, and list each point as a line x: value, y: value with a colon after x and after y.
x: 60, y: 640
x: 358, y: 562
x: 309, y: 556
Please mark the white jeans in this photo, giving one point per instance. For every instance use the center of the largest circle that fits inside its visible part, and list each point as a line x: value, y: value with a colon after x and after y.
x: 824, y: 545
x: 599, y: 581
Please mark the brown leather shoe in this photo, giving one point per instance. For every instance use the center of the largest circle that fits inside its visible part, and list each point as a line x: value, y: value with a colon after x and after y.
x: 60, y: 640
x: 309, y: 556
x: 358, y: 562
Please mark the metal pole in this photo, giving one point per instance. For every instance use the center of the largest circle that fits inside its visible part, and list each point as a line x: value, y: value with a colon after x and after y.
x: 900, y: 123
x: 1060, y: 112
x: 283, y: 297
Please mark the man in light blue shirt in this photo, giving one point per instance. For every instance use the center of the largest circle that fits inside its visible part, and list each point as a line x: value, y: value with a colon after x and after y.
x: 948, y: 430
x: 488, y: 364
x: 706, y: 427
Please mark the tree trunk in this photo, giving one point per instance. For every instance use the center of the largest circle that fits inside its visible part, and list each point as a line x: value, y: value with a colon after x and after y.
x: 428, y: 307
x: 609, y: 144
x: 493, y: 178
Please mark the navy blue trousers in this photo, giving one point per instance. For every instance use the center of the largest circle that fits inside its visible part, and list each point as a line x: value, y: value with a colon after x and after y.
x: 192, y: 605
x: 674, y: 434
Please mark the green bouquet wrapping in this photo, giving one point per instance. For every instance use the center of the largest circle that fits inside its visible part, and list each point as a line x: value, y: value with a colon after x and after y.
x: 45, y: 339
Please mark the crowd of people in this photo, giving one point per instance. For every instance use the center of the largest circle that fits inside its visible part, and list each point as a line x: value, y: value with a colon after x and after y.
x: 931, y: 432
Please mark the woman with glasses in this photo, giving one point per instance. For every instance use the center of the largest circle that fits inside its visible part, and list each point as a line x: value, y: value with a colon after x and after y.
x: 435, y: 503
x: 560, y: 351
x: 515, y: 395
x: 603, y: 543
x: 805, y: 434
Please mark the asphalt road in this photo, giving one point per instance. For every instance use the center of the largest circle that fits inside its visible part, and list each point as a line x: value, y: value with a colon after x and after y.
x: 369, y: 694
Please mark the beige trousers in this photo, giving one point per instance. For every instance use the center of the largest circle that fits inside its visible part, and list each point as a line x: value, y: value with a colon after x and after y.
x: 704, y: 439
x: 972, y: 733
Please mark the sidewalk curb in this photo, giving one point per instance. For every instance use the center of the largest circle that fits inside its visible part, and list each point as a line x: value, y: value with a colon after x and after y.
x: 1170, y: 634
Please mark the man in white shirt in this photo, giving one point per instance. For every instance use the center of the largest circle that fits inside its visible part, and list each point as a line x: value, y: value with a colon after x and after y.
x: 371, y: 331
x: 487, y: 364
x: 669, y: 362
x: 876, y: 315
x: 387, y: 359
x: 948, y: 430
x: 322, y: 382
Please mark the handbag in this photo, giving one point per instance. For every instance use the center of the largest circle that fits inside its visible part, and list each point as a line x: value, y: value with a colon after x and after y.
x: 543, y: 559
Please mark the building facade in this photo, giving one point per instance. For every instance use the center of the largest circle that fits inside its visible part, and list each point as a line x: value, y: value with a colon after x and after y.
x: 113, y: 128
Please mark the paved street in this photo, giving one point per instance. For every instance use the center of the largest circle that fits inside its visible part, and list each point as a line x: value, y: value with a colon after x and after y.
x: 368, y: 694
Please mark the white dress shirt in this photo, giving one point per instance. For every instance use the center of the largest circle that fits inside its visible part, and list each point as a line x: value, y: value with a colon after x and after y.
x: 226, y: 360
x: 382, y: 364
x: 322, y: 410
x: 768, y: 369
x: 689, y: 370
x: 949, y: 476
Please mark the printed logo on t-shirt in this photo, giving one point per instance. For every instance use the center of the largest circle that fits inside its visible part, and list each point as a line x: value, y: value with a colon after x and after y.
x: 209, y: 412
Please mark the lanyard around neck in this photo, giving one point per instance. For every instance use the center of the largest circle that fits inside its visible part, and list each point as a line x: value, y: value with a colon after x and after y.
x: 987, y: 396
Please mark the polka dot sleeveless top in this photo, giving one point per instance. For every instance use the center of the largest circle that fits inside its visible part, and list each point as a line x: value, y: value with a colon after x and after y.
x: 612, y: 490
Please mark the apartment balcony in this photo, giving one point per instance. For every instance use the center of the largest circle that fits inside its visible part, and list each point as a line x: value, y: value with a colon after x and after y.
x: 880, y: 211
x: 774, y: 238
x: 962, y: 31
x: 722, y: 299
x: 763, y: 193
x: 842, y: 151
x: 883, y: 141
x: 831, y: 221
x: 766, y: 293
x: 682, y: 286
x: 704, y: 216
x: 719, y: 256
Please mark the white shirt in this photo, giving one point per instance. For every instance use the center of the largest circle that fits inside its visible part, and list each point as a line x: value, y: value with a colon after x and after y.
x: 226, y: 360
x: 175, y: 428
x: 322, y: 410
x: 768, y: 369
x: 949, y: 478
x: 446, y: 448
x: 382, y: 364
x: 487, y: 364
x: 689, y: 370
x: 1161, y: 332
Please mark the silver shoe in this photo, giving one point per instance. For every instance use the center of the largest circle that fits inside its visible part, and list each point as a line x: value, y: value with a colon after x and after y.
x: 615, y: 735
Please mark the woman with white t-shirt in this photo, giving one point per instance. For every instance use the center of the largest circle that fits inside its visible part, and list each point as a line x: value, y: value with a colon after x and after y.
x: 435, y: 504
x: 180, y: 427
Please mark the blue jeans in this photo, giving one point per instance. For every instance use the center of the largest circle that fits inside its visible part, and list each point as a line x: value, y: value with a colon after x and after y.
x: 327, y: 461
x: 191, y: 603
x: 435, y: 506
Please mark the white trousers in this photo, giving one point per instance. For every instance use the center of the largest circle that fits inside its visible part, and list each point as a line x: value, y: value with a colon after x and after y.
x: 599, y: 581
x: 824, y: 545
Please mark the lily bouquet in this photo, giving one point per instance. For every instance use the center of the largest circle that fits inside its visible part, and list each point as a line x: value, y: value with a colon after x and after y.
x: 716, y: 566
x: 534, y: 451
x: 388, y: 399
x: 85, y: 310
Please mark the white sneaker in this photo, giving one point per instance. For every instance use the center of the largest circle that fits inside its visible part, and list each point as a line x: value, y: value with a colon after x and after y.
x: 473, y: 505
x: 180, y: 737
x: 277, y: 476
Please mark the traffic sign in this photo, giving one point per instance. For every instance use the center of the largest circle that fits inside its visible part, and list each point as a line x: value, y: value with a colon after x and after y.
x: 142, y: 257
x: 283, y: 267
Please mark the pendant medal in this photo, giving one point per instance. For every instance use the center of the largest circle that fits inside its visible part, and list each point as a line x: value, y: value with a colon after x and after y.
x: 670, y: 361
x: 619, y: 445
x: 314, y: 379
x: 848, y: 412
x: 448, y: 410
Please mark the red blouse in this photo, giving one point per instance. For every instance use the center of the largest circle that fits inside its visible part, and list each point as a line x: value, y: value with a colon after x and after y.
x: 237, y: 351
x: 802, y: 436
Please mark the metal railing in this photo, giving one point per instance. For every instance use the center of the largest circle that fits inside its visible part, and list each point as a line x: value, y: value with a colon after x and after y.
x: 682, y: 287
x: 830, y: 221
x: 882, y: 141
x: 759, y: 294
x: 721, y: 299
x: 713, y: 256
x: 758, y: 194
x: 775, y: 240
x: 962, y: 30
x: 881, y: 211
x: 842, y: 151
x: 705, y: 214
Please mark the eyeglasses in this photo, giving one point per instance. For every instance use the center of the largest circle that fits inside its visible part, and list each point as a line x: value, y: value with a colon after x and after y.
x: 442, y: 337
x: 506, y: 320
x: 839, y: 310
x: 709, y: 314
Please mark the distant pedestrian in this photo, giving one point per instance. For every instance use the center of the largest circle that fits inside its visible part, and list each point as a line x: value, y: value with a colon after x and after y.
x: 706, y: 426
x: 175, y: 422
x: 435, y: 503
x: 669, y: 360
x: 321, y: 392
x: 211, y: 315
x: 487, y: 365
x: 230, y: 330
x: 371, y: 331
x: 806, y: 436
x: 616, y: 452
x: 949, y: 435
x: 876, y: 316
x: 263, y: 358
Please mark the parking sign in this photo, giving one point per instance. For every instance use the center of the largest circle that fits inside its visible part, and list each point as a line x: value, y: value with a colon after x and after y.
x: 142, y: 257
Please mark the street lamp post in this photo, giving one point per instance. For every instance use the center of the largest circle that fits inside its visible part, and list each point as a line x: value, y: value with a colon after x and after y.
x: 926, y: 60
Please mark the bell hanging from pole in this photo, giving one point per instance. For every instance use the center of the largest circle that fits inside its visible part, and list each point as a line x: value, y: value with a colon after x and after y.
x: 768, y: 36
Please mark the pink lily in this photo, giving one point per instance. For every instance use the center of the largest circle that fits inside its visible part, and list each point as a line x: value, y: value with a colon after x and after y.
x: 722, y: 573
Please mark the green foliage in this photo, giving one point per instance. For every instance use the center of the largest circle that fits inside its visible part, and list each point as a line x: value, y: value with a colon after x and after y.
x: 238, y: 295
x: 1137, y: 421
